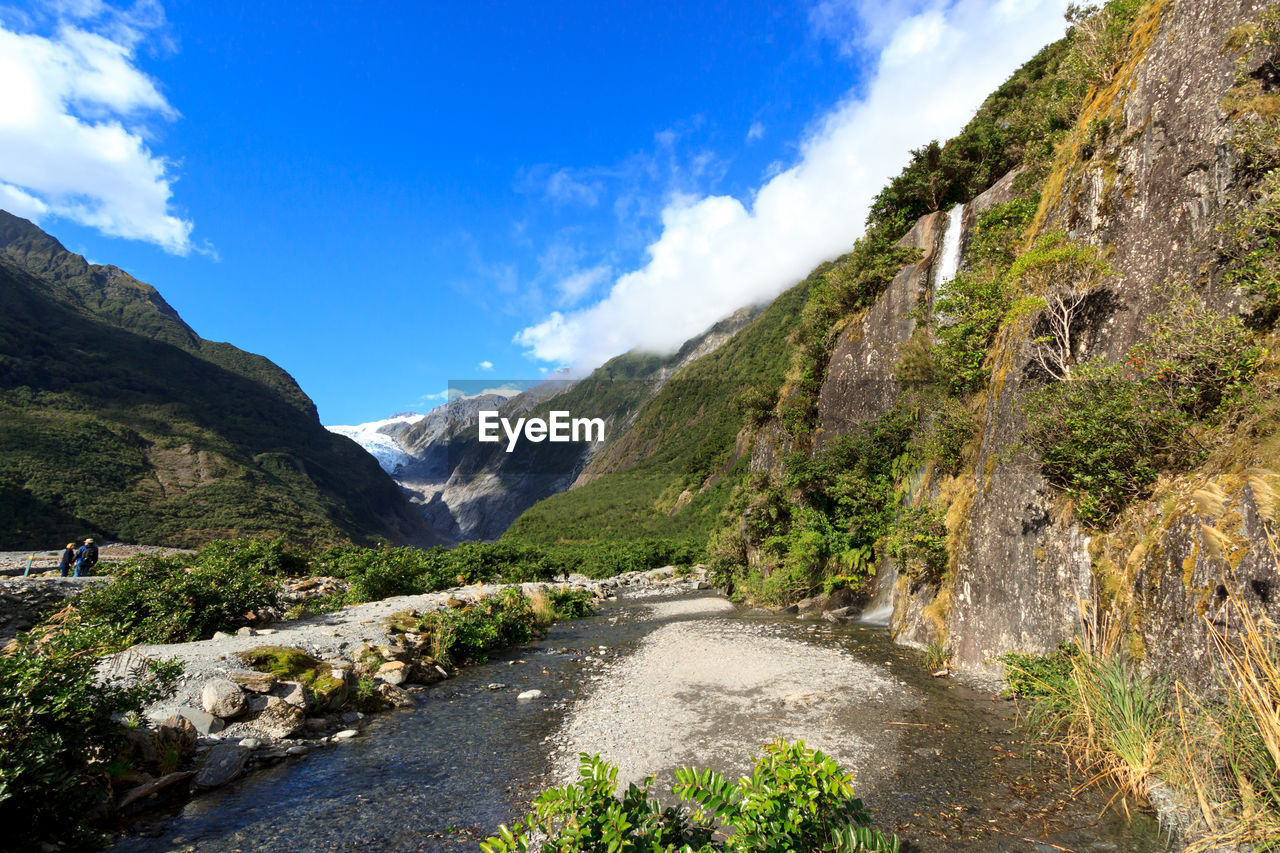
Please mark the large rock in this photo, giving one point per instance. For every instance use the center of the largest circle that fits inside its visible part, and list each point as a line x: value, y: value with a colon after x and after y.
x: 223, y: 698
x: 273, y: 717
x: 222, y: 764
x: 254, y: 682
x: 177, y: 731
x: 204, y: 723
x: 395, y: 696
x: 394, y: 672
x: 295, y: 693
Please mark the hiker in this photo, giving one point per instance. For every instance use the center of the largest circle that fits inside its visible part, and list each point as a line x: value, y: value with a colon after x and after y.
x: 88, y: 558
x: 68, y: 559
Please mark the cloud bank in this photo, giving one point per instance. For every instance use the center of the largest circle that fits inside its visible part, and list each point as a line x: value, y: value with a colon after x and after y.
x: 74, y: 110
x: 936, y: 64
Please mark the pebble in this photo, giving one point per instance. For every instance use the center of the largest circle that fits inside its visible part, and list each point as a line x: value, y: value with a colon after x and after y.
x: 497, y: 685
x: 346, y: 734
x: 529, y: 694
x: 296, y: 750
x: 251, y: 743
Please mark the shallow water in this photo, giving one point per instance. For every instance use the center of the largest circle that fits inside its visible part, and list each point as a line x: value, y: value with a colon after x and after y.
x: 443, y: 775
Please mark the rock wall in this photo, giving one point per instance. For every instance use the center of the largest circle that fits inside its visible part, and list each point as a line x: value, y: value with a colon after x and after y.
x: 1152, y: 191
x: 25, y: 601
x: 1148, y: 175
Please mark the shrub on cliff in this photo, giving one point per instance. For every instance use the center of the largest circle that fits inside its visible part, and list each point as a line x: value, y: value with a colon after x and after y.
x: 59, y: 731
x: 1105, y: 435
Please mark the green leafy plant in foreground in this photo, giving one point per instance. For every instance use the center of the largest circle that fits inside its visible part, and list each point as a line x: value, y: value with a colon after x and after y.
x: 795, y: 799
x: 59, y: 731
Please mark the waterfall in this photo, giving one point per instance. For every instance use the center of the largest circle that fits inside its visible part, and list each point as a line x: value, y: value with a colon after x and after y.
x: 949, y: 261
x: 880, y: 608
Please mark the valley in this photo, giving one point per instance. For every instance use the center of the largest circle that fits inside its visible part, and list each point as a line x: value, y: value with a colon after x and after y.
x: 984, y: 509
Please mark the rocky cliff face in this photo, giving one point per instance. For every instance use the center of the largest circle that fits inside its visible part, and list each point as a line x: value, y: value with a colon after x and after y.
x: 1148, y: 176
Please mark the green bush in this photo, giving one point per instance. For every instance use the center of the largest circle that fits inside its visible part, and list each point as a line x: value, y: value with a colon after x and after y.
x: 59, y: 732
x: 178, y: 599
x: 1038, y: 676
x: 269, y: 556
x: 1104, y: 436
x: 1103, y: 439
x: 942, y: 439
x: 468, y: 634
x: 917, y: 539
x: 795, y: 799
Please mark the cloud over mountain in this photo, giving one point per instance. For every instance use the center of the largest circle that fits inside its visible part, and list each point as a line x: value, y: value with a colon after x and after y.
x: 718, y: 253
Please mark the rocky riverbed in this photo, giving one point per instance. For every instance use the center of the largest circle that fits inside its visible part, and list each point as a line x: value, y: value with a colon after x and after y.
x: 654, y: 682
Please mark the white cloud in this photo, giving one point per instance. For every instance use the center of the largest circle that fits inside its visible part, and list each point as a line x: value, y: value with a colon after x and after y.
x: 485, y: 366
x: 716, y: 254
x: 574, y: 287
x: 564, y: 188
x: 756, y: 131
x: 74, y: 114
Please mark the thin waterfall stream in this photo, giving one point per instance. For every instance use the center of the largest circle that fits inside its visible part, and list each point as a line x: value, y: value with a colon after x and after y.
x: 949, y: 259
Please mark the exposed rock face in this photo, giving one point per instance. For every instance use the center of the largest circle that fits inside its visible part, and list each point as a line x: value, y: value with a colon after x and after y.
x: 860, y: 384
x: 1151, y: 191
x: 1154, y: 192
x: 25, y: 601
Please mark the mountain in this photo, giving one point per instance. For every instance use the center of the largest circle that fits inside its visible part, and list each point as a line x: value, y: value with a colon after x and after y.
x: 1039, y: 397
x: 467, y: 489
x: 118, y: 420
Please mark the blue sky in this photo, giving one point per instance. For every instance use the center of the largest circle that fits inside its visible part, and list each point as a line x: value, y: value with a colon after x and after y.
x: 384, y: 196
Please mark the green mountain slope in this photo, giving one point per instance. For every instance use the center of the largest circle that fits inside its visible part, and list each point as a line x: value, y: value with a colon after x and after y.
x: 117, y: 420
x: 671, y: 473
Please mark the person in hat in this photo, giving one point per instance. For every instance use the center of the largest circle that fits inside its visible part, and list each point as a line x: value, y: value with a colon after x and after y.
x: 87, y: 558
x: 68, y: 559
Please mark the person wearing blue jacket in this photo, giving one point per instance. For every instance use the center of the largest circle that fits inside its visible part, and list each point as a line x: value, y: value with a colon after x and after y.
x: 87, y: 558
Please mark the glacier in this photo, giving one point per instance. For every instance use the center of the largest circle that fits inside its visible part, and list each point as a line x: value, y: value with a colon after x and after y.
x: 376, y: 438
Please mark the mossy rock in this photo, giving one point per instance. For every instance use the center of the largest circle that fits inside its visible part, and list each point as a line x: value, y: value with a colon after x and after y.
x: 404, y: 622
x: 289, y: 664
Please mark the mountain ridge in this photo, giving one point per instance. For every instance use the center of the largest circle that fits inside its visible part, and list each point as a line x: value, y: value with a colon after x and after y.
x: 136, y: 428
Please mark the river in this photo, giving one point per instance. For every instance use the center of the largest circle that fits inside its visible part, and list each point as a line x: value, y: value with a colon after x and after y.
x: 951, y: 771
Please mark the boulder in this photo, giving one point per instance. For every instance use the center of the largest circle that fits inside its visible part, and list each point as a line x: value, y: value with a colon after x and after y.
x: 813, y: 604
x: 295, y: 693
x: 222, y: 697
x: 179, y: 735
x: 204, y: 723
x: 393, y: 672
x: 221, y: 764
x: 426, y: 672
x: 274, y: 718
x: 396, y: 696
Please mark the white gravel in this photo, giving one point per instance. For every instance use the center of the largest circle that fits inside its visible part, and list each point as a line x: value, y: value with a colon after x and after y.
x: 339, y: 635
x: 710, y: 691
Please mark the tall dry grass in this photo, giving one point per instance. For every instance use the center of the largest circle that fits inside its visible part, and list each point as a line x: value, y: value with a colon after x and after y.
x: 1229, y: 750
x: 544, y: 610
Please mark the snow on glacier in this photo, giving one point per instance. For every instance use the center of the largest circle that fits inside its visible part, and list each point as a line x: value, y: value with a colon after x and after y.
x: 383, y: 447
